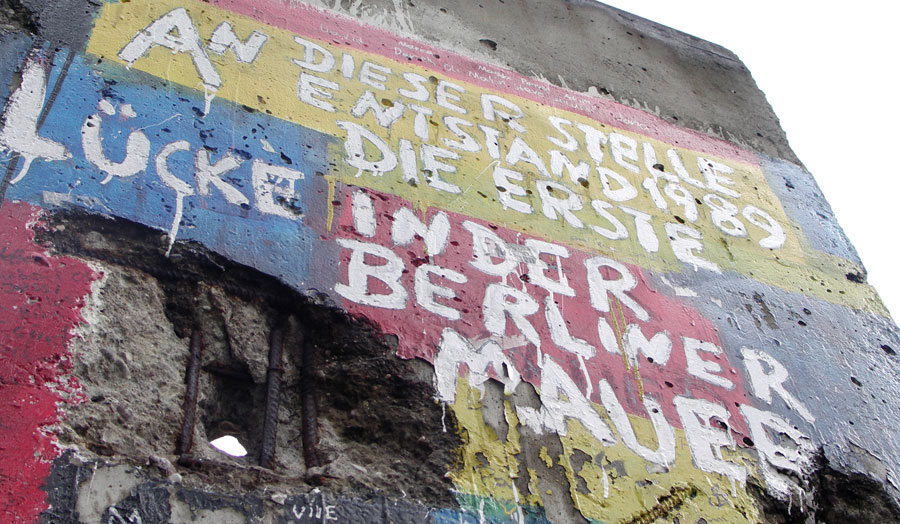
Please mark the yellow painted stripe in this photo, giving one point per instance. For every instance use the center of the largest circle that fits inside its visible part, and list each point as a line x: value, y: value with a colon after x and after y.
x: 270, y: 85
x: 488, y: 464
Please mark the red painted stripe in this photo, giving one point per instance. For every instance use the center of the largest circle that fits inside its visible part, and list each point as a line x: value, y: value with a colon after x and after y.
x: 419, y: 331
x: 346, y: 32
x: 40, y: 299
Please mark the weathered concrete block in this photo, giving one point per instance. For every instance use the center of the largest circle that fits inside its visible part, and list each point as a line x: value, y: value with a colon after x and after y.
x: 428, y: 262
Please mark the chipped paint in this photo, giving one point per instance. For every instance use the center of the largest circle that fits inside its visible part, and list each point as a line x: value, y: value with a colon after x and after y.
x: 607, y: 299
x: 740, y: 223
x: 41, y: 296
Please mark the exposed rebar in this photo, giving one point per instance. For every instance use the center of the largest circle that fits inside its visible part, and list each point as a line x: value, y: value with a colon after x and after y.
x: 310, y: 416
x: 186, y: 438
x: 273, y: 397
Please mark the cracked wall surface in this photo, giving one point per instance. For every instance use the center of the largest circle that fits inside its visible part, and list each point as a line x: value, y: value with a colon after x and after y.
x: 428, y: 262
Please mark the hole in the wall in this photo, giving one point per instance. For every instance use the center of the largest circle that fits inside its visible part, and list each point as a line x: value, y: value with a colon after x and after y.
x: 856, y: 276
x: 233, y: 408
x: 489, y: 43
x: 361, y: 389
x: 229, y: 445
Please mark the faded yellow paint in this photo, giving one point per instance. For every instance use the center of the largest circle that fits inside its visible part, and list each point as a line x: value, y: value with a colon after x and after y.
x: 619, y: 325
x: 329, y: 220
x: 270, y: 84
x: 640, y: 489
x: 534, y: 491
x: 488, y: 465
x: 545, y: 456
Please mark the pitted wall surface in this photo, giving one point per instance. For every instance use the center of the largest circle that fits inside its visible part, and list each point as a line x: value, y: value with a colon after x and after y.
x: 426, y: 275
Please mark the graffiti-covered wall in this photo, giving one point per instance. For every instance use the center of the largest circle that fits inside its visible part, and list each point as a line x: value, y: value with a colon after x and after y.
x: 514, y: 262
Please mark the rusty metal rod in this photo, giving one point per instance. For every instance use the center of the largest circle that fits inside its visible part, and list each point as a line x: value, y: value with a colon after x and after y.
x: 186, y: 438
x: 273, y: 397
x: 310, y: 424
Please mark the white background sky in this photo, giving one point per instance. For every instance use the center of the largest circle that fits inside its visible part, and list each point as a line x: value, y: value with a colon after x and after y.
x: 831, y: 71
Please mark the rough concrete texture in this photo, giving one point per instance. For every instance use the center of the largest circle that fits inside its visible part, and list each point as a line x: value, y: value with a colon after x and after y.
x: 105, y: 492
x: 599, y: 50
x: 496, y: 262
x: 15, y: 17
x: 121, y: 411
x: 65, y: 23
x: 379, y: 427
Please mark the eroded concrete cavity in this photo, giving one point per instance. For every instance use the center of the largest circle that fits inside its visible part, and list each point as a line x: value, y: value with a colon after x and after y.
x: 133, y: 371
x: 14, y: 16
x: 428, y: 261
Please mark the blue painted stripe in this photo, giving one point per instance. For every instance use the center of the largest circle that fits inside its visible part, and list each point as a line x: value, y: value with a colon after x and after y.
x: 279, y: 246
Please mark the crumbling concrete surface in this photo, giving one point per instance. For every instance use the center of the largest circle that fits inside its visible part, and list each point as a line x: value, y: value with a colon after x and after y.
x: 383, y: 443
x: 430, y: 261
x: 599, y: 50
x: 380, y: 433
x: 14, y: 16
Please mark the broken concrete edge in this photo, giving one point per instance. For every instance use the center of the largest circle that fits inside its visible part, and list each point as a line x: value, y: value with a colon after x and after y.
x: 111, y: 422
x: 95, y: 490
x: 364, y: 392
x: 66, y: 24
x: 834, y: 496
x: 631, y: 48
x: 16, y: 17
x: 197, y: 482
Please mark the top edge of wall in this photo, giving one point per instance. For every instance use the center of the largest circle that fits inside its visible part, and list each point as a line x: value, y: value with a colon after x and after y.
x: 594, y: 48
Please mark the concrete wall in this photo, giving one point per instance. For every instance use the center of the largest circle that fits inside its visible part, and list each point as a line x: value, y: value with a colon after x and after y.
x: 430, y: 262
